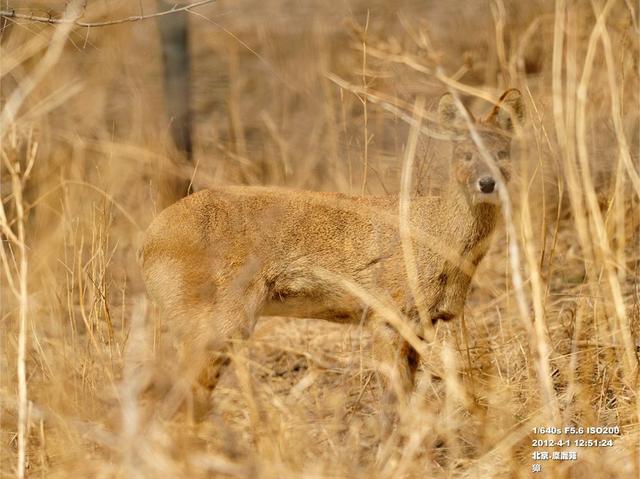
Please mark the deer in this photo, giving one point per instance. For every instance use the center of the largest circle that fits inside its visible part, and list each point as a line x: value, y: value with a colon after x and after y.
x: 220, y: 258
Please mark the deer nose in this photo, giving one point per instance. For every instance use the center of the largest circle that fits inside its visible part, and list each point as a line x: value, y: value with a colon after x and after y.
x: 486, y: 184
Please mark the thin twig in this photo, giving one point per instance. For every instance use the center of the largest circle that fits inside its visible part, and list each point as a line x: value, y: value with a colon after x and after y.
x: 394, y: 106
x: 76, y: 21
x: 27, y: 85
x: 365, y: 110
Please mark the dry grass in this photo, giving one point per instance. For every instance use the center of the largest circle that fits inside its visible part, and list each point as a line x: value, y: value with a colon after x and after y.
x: 320, y: 97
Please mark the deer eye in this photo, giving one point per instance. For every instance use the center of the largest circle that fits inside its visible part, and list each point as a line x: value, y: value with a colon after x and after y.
x: 503, y: 154
x: 467, y: 156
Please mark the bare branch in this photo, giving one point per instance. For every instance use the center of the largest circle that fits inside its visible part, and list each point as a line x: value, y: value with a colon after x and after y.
x: 76, y: 21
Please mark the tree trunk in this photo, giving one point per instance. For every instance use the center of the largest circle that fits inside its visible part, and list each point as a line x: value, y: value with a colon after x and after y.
x: 174, y: 36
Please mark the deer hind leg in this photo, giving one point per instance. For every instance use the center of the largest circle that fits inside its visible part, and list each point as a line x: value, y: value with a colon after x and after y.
x: 202, y: 320
x: 207, y: 352
x: 203, y: 338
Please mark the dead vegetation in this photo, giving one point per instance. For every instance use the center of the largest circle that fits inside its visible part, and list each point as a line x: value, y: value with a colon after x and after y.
x: 319, y: 97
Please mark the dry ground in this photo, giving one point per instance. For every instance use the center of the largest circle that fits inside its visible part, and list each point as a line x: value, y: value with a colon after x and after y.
x: 315, y: 95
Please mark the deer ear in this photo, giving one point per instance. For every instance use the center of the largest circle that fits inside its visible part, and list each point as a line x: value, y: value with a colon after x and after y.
x: 510, y: 108
x: 448, y: 113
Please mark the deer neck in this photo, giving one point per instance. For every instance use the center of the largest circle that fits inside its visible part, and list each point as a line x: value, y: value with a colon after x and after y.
x: 470, y: 225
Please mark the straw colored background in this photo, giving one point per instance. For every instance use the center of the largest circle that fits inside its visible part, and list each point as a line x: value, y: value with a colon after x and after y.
x: 304, y: 94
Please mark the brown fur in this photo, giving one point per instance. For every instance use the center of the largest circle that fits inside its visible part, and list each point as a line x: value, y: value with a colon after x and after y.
x: 220, y: 258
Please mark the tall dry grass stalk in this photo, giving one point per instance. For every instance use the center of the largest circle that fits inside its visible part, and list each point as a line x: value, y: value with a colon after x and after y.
x: 330, y: 98
x: 16, y: 268
x: 405, y: 208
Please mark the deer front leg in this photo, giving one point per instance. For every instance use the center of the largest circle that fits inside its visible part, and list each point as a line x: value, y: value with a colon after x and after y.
x: 449, y: 302
x: 396, y: 370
